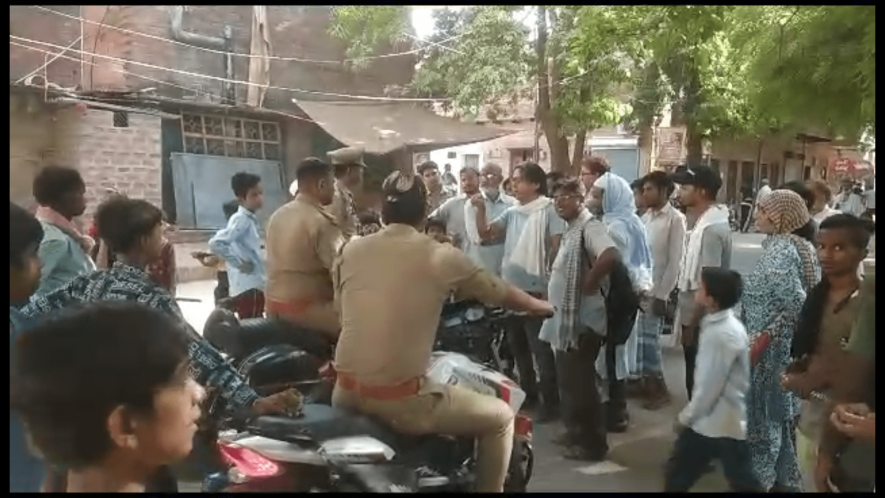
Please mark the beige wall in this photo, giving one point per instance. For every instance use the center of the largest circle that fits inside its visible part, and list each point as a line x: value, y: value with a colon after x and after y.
x: 128, y: 159
x: 818, y: 157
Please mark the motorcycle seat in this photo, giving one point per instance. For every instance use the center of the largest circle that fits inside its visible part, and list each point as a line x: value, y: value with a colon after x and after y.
x: 255, y: 333
x: 241, y: 338
x: 321, y: 423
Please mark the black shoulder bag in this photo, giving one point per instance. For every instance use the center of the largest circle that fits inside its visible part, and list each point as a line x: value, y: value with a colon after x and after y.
x: 621, y: 301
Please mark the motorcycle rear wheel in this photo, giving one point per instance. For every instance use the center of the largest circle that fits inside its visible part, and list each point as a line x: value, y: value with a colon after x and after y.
x: 520, y: 470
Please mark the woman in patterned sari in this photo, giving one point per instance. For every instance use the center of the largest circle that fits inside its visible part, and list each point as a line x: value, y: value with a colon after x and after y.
x: 773, y: 297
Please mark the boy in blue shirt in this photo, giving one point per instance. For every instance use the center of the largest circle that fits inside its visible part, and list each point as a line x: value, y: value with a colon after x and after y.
x: 240, y: 246
x: 714, y: 424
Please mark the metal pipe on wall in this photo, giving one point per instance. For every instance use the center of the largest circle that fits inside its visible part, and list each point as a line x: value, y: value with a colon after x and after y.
x: 82, y: 59
x: 225, y: 43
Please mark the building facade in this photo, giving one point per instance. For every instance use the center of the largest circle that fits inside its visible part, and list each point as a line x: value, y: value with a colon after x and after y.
x: 622, y: 149
x: 140, y: 98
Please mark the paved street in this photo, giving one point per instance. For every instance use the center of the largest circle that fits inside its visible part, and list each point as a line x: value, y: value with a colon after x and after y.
x: 636, y: 457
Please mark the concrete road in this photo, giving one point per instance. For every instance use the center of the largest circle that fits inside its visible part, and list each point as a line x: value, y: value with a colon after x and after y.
x: 636, y: 458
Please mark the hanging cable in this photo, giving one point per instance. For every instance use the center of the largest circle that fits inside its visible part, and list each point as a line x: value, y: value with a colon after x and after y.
x: 167, y: 83
x: 219, y: 78
x: 235, y: 54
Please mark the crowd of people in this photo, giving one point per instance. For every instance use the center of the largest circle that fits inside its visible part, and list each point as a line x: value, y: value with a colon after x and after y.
x: 853, y: 197
x: 107, y: 375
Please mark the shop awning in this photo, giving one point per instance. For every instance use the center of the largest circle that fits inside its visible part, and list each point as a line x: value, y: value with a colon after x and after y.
x: 382, y: 127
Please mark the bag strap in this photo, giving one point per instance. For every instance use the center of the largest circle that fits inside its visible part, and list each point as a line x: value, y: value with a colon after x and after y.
x: 586, y: 254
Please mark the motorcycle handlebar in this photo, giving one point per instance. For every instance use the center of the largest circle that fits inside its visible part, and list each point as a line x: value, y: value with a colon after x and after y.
x: 526, y: 314
x: 501, y: 312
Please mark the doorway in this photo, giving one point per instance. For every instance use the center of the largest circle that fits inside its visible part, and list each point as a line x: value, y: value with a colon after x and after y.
x: 519, y: 156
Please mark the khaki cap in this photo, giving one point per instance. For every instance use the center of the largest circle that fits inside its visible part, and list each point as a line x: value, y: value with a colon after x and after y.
x: 347, y: 156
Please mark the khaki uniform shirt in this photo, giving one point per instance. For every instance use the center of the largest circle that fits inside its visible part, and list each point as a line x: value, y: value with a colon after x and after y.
x: 302, y: 242
x: 390, y: 288
x: 343, y: 209
x: 435, y: 200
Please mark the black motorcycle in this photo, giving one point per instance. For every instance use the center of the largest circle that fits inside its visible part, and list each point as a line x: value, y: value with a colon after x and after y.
x: 478, y: 332
x: 324, y: 449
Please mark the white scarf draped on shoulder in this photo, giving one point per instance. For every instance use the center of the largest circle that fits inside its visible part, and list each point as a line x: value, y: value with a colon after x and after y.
x: 691, y: 258
x: 530, y: 252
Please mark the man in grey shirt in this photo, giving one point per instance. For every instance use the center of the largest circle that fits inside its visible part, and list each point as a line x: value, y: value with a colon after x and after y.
x: 708, y: 244
x: 459, y: 216
x: 451, y: 211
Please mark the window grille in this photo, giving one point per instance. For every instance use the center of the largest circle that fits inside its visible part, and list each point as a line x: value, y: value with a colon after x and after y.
x: 121, y: 119
x: 231, y: 137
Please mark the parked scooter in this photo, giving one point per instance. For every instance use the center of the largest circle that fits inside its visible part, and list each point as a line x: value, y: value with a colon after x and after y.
x: 328, y: 450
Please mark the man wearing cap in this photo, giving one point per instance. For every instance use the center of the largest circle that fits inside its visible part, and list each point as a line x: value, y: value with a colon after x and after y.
x: 707, y: 244
x: 303, y: 239
x: 348, y: 164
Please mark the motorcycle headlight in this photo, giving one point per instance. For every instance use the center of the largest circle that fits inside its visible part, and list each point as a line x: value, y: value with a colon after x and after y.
x: 357, y: 449
x: 475, y: 314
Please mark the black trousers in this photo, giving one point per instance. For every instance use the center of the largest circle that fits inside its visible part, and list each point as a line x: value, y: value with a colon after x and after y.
x: 617, y: 389
x: 222, y: 286
x: 693, y: 453
x: 528, y: 349
x: 690, y: 353
x: 582, y: 411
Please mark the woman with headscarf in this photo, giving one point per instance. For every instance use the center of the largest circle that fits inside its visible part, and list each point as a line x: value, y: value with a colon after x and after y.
x: 773, y: 296
x: 612, y: 196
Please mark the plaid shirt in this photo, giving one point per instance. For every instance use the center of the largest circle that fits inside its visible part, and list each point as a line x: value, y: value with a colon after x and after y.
x: 126, y: 283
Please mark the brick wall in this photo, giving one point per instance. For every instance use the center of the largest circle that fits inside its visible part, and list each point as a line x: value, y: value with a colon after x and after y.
x: 124, y: 158
x: 128, y: 159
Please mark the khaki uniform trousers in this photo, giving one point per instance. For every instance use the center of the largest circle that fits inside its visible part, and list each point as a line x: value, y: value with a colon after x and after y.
x: 448, y: 410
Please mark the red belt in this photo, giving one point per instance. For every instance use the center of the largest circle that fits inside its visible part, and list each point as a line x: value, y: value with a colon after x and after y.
x: 380, y: 393
x: 293, y: 307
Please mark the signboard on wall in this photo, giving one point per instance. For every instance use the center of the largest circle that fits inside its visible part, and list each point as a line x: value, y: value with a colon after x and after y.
x: 420, y: 157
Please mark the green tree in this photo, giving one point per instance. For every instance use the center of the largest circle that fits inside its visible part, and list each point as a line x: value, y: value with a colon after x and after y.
x: 368, y: 30
x: 589, y: 68
x: 750, y: 70
x: 813, y: 65
x: 490, y: 60
x: 687, y: 60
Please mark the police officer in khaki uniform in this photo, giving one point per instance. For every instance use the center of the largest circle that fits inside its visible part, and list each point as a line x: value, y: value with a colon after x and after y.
x: 391, y: 287
x: 303, y: 239
x: 349, y: 167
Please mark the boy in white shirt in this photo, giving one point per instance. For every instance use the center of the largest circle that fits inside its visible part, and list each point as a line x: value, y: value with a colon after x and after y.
x: 714, y: 424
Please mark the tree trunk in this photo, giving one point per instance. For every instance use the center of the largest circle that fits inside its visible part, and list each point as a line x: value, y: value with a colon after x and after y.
x: 559, y: 160
x: 646, y: 148
x: 578, y: 152
x: 694, y: 143
x: 694, y: 139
